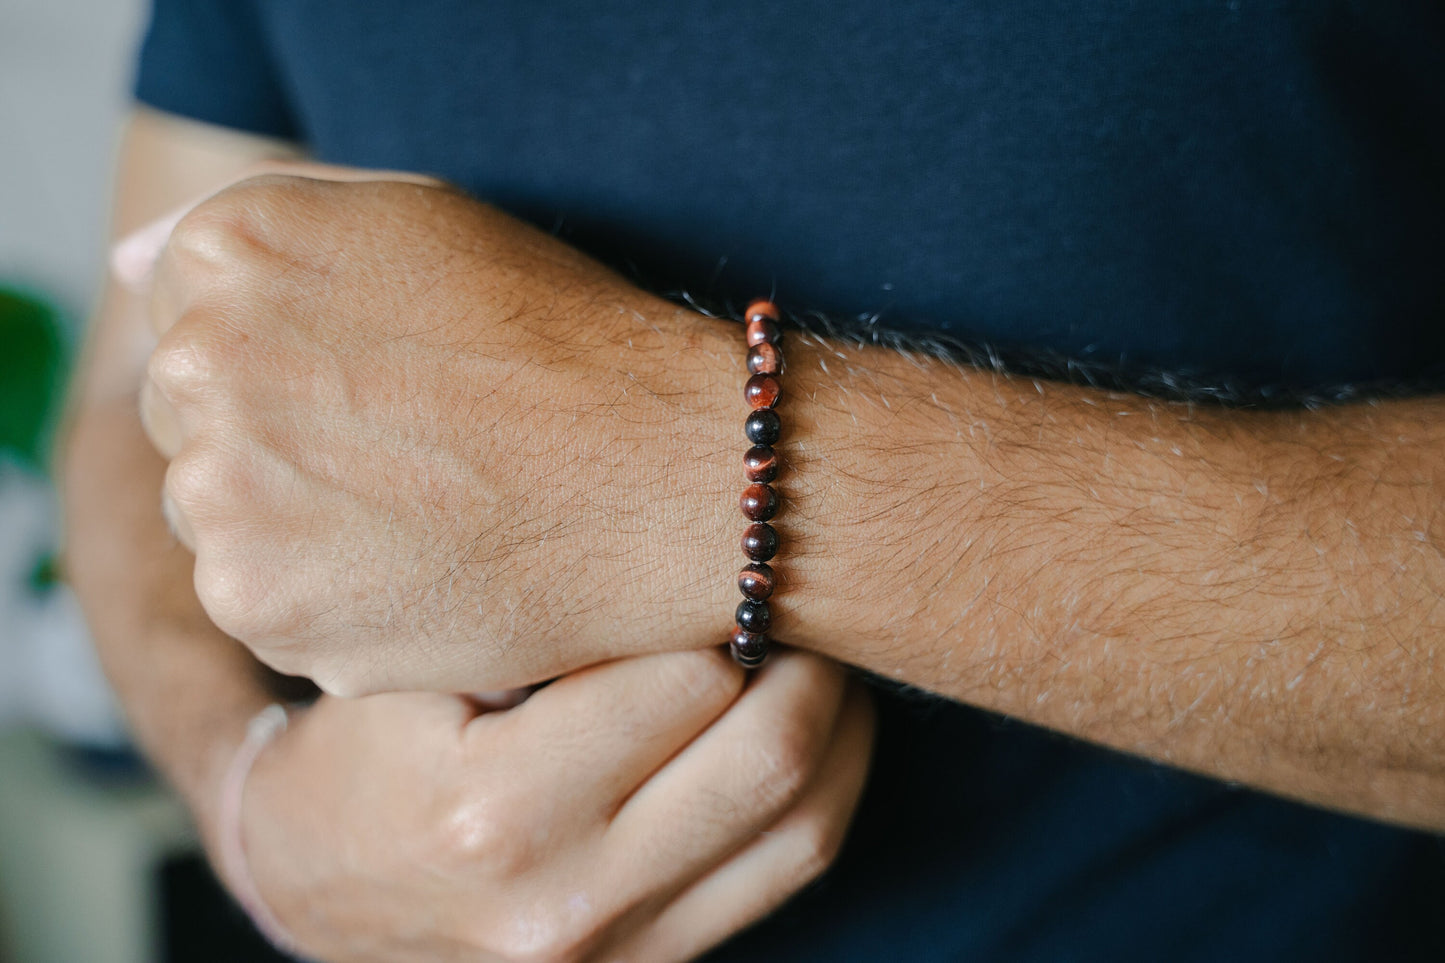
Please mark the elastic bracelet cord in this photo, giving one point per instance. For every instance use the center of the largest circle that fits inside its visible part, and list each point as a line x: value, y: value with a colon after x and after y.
x: 760, y: 501
x: 263, y: 728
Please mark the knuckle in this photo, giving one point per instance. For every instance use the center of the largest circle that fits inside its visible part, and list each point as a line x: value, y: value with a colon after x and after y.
x: 186, y: 361
x: 816, y: 847
x: 490, y: 831
x: 256, y: 210
x: 703, y: 677
x: 214, y: 233
x: 241, y: 601
x: 232, y: 603
x: 781, y: 759
x: 195, y: 480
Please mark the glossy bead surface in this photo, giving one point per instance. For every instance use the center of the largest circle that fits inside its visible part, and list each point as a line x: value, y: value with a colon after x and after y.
x: 763, y: 426
x: 756, y: 581
x: 749, y: 649
x: 763, y: 390
x: 760, y: 464
x: 754, y: 616
x: 759, y: 502
x: 762, y: 331
x: 761, y: 309
x: 760, y: 541
x: 765, y: 358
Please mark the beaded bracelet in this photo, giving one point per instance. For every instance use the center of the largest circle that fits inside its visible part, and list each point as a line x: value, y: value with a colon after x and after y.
x: 759, y: 500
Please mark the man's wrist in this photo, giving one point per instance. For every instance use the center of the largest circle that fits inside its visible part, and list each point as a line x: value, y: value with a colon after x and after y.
x: 823, y: 486
x: 827, y: 488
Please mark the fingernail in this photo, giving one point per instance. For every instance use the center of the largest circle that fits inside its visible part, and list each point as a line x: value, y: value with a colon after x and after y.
x: 133, y: 258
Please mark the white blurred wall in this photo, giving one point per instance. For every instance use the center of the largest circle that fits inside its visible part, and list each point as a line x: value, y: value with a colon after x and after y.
x: 65, y: 69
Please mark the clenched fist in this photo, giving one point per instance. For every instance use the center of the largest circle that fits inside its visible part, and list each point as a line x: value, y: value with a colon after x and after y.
x: 416, y: 444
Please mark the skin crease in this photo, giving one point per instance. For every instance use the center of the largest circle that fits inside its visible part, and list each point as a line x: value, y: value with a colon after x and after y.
x: 370, y: 846
x: 1252, y: 595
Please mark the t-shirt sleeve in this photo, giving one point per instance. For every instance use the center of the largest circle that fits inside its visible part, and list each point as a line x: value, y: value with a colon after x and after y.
x: 211, y: 60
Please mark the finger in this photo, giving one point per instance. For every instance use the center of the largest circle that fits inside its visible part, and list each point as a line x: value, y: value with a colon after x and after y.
x: 601, y: 732
x: 161, y: 421
x: 133, y: 258
x: 337, y: 172
x: 731, y: 782
x: 177, y: 521
x: 498, y: 699
x: 777, y: 864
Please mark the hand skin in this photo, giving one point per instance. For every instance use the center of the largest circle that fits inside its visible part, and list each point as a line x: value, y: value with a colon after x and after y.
x: 397, y: 463
x: 188, y: 690
x: 640, y: 810
x: 1251, y: 595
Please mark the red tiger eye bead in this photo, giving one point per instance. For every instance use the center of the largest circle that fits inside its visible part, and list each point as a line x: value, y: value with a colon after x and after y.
x: 756, y: 581
x: 761, y: 309
x: 765, y: 358
x: 760, y: 464
x: 762, y: 330
x: 760, y: 542
x: 763, y: 390
x: 749, y: 648
x: 759, y: 502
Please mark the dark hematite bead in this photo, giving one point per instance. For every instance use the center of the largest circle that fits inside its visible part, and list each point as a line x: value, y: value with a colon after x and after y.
x: 763, y: 426
x: 763, y: 390
x: 759, y: 502
x: 764, y: 358
x: 760, y: 541
x: 749, y: 648
x: 753, y: 616
x: 760, y: 464
x: 756, y: 581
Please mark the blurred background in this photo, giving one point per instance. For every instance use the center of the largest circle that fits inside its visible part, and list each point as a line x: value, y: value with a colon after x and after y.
x: 97, y: 863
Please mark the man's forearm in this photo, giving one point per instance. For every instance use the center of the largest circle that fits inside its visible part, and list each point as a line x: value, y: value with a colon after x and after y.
x: 1253, y: 595
x: 187, y: 689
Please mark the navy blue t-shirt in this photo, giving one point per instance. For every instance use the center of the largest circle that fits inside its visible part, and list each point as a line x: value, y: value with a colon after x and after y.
x: 1244, y: 193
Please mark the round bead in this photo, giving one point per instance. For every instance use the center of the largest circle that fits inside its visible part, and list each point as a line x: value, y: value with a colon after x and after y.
x: 749, y: 648
x: 764, y: 358
x: 760, y: 464
x: 763, y: 390
x: 759, y: 502
x: 753, y: 616
x: 763, y: 426
x: 761, y: 309
x: 762, y: 330
x: 756, y: 581
x: 760, y: 541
